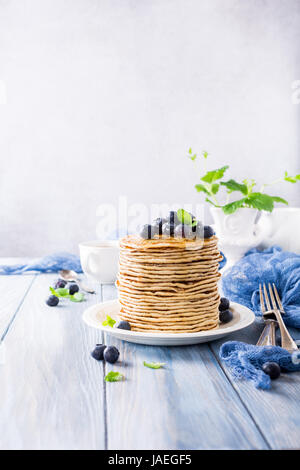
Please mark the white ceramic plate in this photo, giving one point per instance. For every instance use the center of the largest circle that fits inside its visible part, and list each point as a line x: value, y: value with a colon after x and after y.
x: 95, y: 315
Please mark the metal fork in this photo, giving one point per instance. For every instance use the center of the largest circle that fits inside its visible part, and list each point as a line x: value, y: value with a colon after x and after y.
x: 287, y: 341
x: 267, y: 337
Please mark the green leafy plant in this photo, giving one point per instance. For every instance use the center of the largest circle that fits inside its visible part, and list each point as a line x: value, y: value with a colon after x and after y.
x: 154, y: 365
x: 213, y: 181
x: 62, y: 292
x: 109, y: 321
x: 114, y: 377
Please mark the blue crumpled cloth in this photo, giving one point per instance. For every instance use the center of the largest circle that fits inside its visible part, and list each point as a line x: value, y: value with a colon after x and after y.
x: 241, y: 284
x: 47, y: 264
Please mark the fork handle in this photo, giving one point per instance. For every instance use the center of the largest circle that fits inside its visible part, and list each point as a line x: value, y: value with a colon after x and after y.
x: 287, y: 341
x: 267, y: 338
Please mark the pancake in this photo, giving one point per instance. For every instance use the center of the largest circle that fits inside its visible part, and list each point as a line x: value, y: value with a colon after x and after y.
x: 169, y: 284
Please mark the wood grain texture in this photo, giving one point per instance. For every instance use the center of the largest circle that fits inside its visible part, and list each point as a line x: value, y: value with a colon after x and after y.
x: 13, y: 290
x: 187, y: 405
x: 51, y: 390
x: 276, y: 412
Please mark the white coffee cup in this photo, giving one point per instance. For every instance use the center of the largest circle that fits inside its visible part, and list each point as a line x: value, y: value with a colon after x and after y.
x: 100, y: 260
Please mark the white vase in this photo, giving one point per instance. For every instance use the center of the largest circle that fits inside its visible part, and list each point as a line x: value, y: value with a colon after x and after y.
x: 237, y: 232
x: 283, y: 226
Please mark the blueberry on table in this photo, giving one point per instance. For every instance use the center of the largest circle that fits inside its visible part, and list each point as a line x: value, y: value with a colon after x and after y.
x: 124, y: 325
x: 208, y: 231
x: 146, y: 231
x: 97, y: 353
x: 272, y: 369
x: 224, y: 304
x: 52, y: 301
x: 225, y: 316
x: 111, y: 354
x: 73, y: 289
x: 60, y: 284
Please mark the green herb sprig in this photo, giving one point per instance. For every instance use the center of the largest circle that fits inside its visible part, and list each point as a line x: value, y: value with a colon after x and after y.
x: 62, y: 292
x: 212, y: 182
x: 114, y: 377
x: 109, y: 321
x: 154, y: 365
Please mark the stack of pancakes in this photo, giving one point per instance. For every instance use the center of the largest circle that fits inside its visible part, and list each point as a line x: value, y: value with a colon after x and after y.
x: 168, y: 284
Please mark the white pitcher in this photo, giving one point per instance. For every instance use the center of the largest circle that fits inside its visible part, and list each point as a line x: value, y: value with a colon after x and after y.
x: 282, y: 227
x: 238, y: 232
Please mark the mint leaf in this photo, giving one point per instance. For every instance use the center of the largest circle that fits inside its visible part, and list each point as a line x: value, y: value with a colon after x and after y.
x: 291, y: 179
x: 154, y: 365
x: 184, y: 217
x: 191, y: 155
x: 202, y: 188
x: 77, y: 297
x: 205, y: 154
x: 260, y: 201
x: 62, y: 292
x: 233, y: 185
x: 53, y: 291
x: 109, y: 321
x: 279, y: 199
x: 214, y: 175
x: 114, y: 377
x: 233, y: 206
x: 215, y: 188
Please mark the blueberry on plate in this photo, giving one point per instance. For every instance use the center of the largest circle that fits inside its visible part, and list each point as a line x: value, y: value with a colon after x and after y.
x: 208, y: 231
x: 224, y: 304
x: 272, y: 369
x: 60, y: 284
x: 111, y: 354
x: 146, y: 231
x: 97, y: 353
x: 225, y: 316
x: 73, y: 289
x: 124, y: 325
x: 52, y: 301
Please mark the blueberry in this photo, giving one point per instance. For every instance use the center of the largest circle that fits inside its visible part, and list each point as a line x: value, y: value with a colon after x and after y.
x: 97, y: 353
x: 158, y: 223
x: 60, y: 284
x: 146, y: 231
x: 199, y: 230
x: 73, y: 289
x: 168, y: 230
x: 173, y: 219
x: 225, y: 316
x: 224, y: 304
x: 123, y: 325
x: 52, y: 301
x: 272, y: 369
x: 208, y: 231
x: 111, y: 354
x: 184, y: 231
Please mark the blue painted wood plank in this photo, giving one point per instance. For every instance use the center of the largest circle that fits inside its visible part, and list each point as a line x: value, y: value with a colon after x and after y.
x: 189, y: 404
x: 276, y: 412
x: 51, y: 390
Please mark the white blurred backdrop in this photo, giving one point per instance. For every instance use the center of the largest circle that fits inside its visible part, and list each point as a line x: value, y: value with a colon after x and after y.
x: 104, y: 97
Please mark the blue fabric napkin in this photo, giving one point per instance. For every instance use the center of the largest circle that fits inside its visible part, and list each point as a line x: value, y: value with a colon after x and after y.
x: 241, y: 284
x: 47, y: 264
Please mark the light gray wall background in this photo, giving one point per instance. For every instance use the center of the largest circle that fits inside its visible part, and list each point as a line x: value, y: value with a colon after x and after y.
x: 104, y: 97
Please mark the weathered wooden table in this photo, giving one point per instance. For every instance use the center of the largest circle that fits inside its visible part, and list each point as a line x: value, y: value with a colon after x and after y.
x: 53, y: 394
